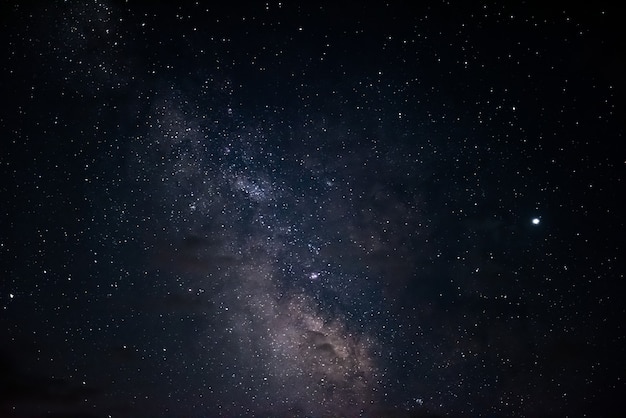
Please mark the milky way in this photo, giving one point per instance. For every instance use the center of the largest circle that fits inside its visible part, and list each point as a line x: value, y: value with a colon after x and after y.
x: 255, y: 224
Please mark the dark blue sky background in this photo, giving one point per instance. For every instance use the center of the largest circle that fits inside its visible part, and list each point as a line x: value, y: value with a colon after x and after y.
x: 311, y: 210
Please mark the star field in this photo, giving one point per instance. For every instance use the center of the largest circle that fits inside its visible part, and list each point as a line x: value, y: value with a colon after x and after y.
x: 310, y: 210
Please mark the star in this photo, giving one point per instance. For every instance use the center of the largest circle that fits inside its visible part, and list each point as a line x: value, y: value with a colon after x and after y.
x: 536, y: 221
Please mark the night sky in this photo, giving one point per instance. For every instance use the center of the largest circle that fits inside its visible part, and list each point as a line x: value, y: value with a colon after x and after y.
x: 301, y: 209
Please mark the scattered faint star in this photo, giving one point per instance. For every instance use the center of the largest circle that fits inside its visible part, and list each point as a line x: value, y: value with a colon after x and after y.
x: 208, y: 210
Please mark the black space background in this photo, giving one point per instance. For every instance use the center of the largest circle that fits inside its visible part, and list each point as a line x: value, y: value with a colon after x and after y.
x: 363, y: 177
